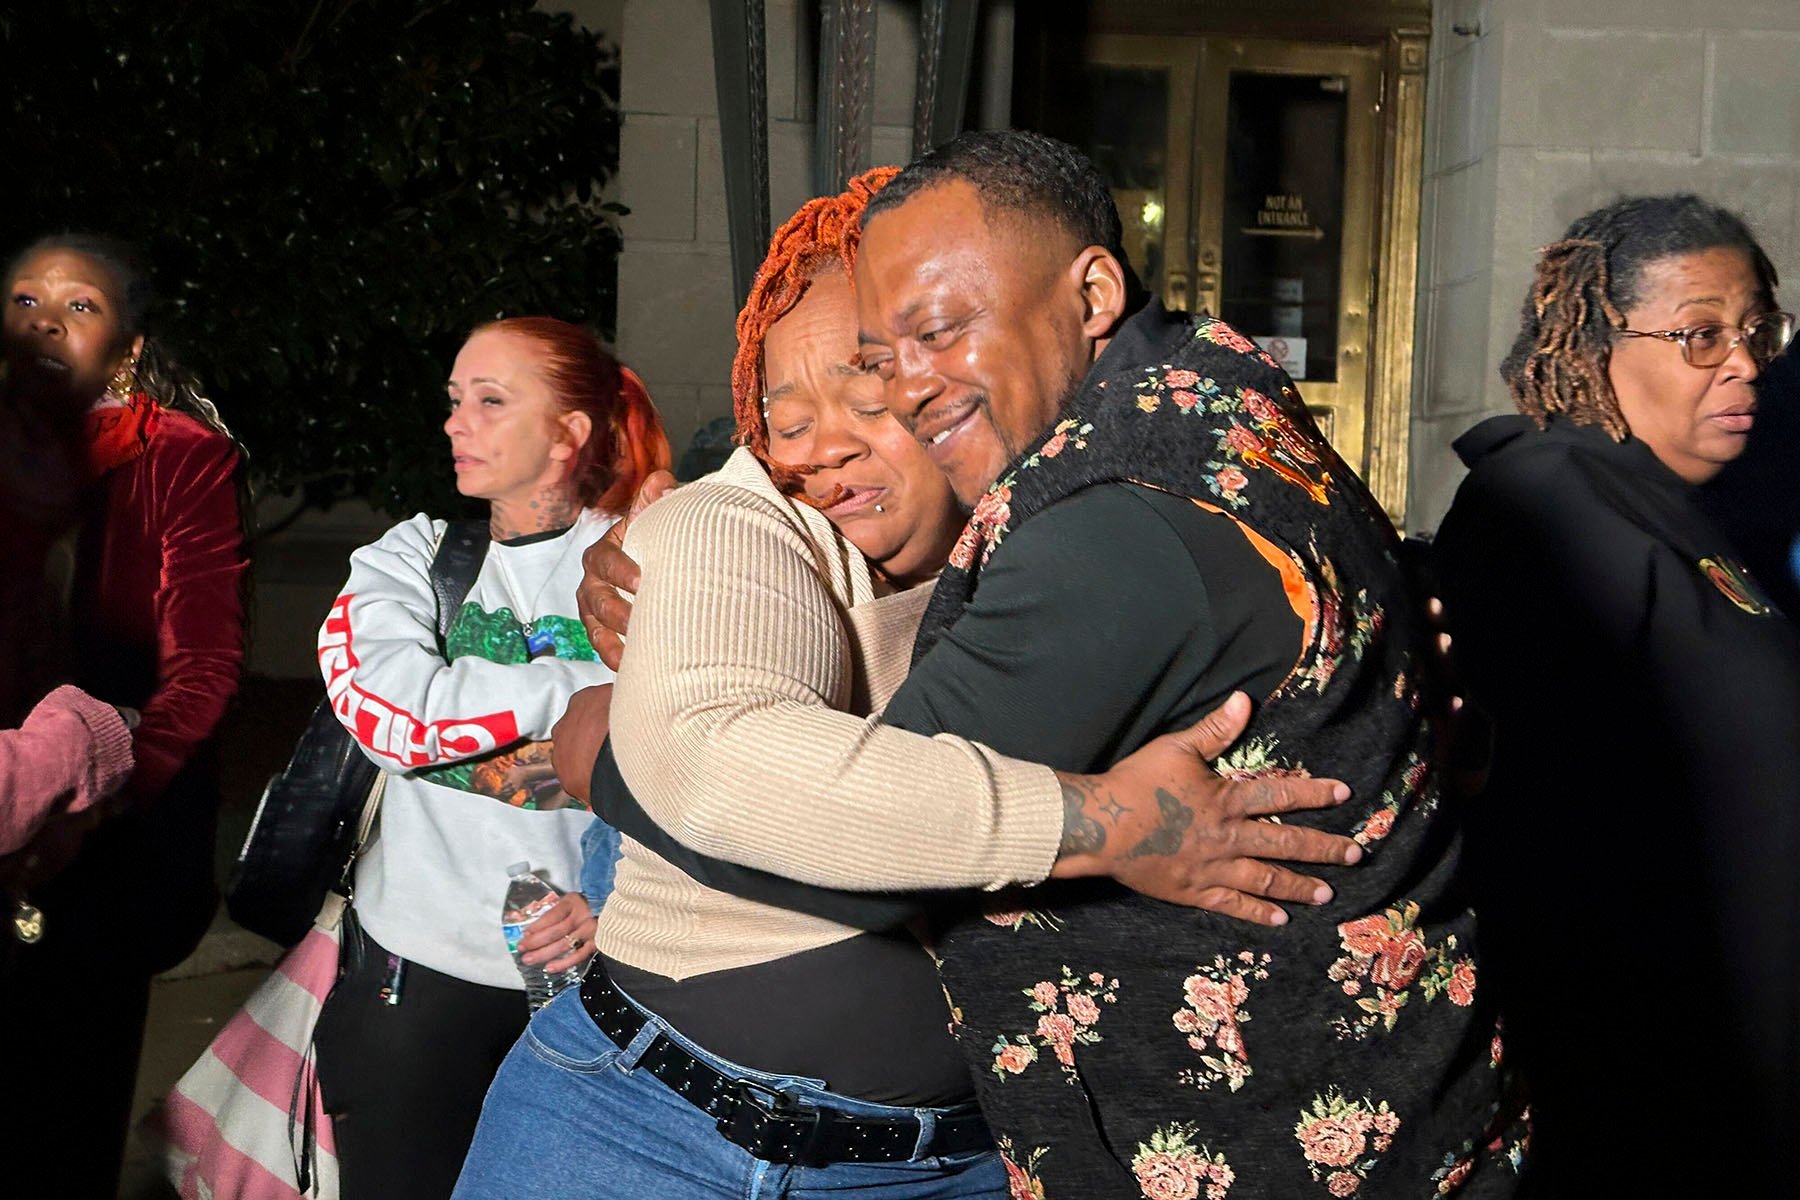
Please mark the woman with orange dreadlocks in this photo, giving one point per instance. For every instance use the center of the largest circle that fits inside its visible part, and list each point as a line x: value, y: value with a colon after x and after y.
x: 1635, y: 850
x: 777, y: 611
x: 755, y: 1005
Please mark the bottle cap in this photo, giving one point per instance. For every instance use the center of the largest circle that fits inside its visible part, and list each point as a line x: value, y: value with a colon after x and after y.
x: 519, y: 868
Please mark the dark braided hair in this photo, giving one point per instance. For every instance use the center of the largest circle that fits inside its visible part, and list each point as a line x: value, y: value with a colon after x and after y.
x: 1583, y: 286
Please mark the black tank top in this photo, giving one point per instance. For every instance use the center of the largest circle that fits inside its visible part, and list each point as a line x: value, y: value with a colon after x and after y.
x: 866, y: 1015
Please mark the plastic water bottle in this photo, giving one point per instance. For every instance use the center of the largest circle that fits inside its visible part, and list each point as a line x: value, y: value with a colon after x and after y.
x: 527, y: 899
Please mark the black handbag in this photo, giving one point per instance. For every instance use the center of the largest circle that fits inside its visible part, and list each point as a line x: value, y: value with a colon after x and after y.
x: 314, y: 816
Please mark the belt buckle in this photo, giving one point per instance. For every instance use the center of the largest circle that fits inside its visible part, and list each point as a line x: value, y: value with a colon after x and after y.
x: 784, y: 1123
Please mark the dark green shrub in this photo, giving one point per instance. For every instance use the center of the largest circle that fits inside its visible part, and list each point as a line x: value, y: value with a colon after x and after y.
x: 333, y: 192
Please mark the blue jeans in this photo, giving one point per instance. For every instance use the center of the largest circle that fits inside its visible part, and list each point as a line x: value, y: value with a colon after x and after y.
x: 599, y: 862
x: 568, y: 1117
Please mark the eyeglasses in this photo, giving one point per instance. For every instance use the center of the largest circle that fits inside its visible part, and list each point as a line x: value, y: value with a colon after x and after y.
x: 1765, y: 335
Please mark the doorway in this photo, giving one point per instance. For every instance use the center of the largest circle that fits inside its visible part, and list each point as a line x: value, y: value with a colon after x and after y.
x: 1274, y: 183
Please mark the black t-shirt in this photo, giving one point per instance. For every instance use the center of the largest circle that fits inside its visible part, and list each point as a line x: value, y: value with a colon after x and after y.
x: 866, y: 1015
x: 1156, y: 629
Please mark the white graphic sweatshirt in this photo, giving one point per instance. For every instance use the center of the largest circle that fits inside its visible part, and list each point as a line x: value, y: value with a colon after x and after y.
x: 463, y: 734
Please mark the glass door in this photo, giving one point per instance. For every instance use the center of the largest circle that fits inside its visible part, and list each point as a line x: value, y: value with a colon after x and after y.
x: 1129, y: 105
x: 1287, y: 175
x: 1248, y: 174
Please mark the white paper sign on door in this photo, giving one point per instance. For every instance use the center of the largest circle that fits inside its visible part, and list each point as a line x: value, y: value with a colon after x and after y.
x: 1290, y: 352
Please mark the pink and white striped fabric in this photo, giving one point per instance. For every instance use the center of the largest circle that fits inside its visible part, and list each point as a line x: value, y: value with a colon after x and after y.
x: 228, y: 1125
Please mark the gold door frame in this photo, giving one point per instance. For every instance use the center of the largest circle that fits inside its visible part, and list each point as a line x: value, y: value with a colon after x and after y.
x: 1161, y: 35
x: 1397, y: 273
x: 1176, y: 57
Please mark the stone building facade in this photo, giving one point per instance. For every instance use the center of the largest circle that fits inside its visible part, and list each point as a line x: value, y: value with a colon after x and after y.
x: 1535, y: 112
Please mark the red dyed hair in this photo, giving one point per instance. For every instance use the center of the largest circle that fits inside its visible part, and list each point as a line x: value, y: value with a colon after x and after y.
x: 823, y: 235
x: 628, y: 443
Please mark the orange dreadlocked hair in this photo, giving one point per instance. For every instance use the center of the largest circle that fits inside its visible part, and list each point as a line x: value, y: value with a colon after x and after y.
x: 823, y: 235
x: 1585, y: 284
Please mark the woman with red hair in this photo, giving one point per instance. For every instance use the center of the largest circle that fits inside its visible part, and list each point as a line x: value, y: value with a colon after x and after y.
x: 557, y: 437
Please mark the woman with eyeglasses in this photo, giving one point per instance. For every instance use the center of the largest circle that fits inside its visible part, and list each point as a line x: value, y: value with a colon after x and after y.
x: 1637, y: 850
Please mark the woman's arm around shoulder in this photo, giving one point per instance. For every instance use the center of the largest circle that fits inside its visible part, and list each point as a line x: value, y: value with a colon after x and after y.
x: 726, y: 721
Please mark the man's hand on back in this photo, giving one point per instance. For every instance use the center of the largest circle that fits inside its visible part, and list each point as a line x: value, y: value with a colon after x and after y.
x: 576, y: 738
x: 608, y: 572
x: 1162, y: 823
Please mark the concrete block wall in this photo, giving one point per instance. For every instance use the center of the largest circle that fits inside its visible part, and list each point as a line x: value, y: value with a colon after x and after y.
x: 1541, y: 110
x: 676, y: 306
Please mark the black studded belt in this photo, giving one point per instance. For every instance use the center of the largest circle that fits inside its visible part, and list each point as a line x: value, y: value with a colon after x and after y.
x: 773, y: 1125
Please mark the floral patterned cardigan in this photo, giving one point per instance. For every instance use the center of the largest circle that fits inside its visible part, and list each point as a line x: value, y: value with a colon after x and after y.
x: 1125, y: 1047
x: 1128, y: 1047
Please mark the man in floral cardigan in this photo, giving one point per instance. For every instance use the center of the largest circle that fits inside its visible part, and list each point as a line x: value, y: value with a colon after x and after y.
x: 1157, y: 522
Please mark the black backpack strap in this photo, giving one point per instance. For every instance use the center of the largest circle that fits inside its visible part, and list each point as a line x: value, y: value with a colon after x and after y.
x: 460, y: 554
x: 614, y: 803
x: 316, y: 814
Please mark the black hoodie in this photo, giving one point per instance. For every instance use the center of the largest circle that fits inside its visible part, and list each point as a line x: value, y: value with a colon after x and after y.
x: 1637, y: 850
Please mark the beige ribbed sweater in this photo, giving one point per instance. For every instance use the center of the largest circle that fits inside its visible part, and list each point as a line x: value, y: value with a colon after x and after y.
x: 741, y: 720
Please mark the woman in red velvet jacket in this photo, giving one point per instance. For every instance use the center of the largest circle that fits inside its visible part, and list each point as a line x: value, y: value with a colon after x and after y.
x: 135, y: 475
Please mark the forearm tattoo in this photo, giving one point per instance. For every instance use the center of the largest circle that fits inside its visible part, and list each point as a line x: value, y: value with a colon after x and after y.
x: 1082, y: 834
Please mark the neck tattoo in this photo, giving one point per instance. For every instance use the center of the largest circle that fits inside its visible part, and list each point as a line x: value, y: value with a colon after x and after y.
x: 550, y: 509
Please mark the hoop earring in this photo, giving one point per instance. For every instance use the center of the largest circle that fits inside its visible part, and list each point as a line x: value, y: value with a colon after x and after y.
x: 124, y: 383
